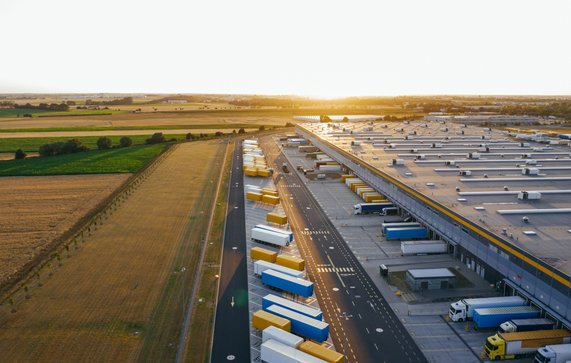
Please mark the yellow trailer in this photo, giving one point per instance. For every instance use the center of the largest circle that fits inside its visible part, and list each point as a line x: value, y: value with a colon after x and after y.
x: 369, y: 198
x: 354, y: 186
x: 365, y: 190
x: 346, y: 176
x: 262, y: 319
x: 254, y: 196
x: 291, y: 262
x: 268, y: 191
x: 276, y: 218
x: 250, y: 172
x: 259, y: 253
x: 263, y: 172
x: 270, y: 199
x: 321, y: 352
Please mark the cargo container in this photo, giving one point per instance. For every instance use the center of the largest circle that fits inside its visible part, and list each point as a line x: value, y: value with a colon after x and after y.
x: 302, y: 325
x: 356, y: 185
x: 250, y: 172
x: 493, y: 317
x: 423, y: 247
x: 346, y: 176
x: 282, y: 336
x: 386, y: 225
x: 463, y: 310
x: 261, y: 265
x: 519, y: 325
x: 276, y: 218
x: 277, y: 230
x: 560, y: 353
x: 291, y: 262
x: 270, y: 199
x: 270, y: 237
x: 351, y: 179
x: 253, y: 196
x: 406, y: 233
x: 268, y: 191
x: 515, y: 345
x: 362, y: 190
x: 271, y: 299
x: 368, y: 208
x: 330, y: 168
x: 369, y: 197
x: 262, y: 319
x: 281, y: 281
x: 263, y: 172
x: 272, y: 351
x: 321, y: 352
x: 259, y: 253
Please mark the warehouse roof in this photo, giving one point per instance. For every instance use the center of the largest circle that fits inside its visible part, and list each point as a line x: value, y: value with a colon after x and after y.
x: 431, y: 273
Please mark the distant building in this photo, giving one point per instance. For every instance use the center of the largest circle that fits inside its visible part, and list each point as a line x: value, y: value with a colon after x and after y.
x: 485, y: 118
x: 339, y: 118
x: 175, y: 101
x: 429, y: 279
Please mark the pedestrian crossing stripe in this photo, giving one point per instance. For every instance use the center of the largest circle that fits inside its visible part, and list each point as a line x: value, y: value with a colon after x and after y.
x: 337, y: 269
x: 315, y: 232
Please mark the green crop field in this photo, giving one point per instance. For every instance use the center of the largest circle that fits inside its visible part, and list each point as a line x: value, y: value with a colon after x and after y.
x: 14, y: 112
x: 124, y: 160
x: 78, y: 113
x: 135, y: 127
x: 34, y: 143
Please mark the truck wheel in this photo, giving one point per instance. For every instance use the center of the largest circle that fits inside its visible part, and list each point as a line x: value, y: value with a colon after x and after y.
x: 461, y: 319
x: 497, y: 357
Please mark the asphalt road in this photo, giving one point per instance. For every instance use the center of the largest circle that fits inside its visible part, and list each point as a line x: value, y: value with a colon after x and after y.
x: 231, y: 341
x: 362, y: 324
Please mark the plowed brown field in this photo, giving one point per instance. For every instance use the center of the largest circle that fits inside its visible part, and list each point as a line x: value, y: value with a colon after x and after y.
x: 37, y: 210
x: 117, y: 297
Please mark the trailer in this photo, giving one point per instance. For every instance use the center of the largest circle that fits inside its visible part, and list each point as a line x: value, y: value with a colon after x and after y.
x: 272, y: 351
x: 368, y: 208
x: 384, y: 226
x: 291, y: 262
x: 258, y: 253
x: 519, y: 325
x: 463, y: 310
x: 423, y: 247
x: 330, y: 168
x: 271, y: 299
x: 560, y: 353
x: 288, y: 283
x: 301, y: 324
x: 270, y: 237
x: 276, y: 218
x: 276, y: 230
x: 321, y: 352
x: 389, y: 211
x: 493, y: 317
x: 516, y: 345
x: 406, y: 233
x: 282, y: 336
x: 262, y: 319
x: 261, y: 265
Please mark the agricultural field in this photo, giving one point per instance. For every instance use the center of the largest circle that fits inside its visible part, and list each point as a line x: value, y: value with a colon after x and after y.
x: 120, y: 296
x: 37, y: 210
x: 123, y: 160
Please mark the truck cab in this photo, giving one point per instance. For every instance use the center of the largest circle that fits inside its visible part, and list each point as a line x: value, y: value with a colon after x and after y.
x: 457, y: 311
x: 495, y: 348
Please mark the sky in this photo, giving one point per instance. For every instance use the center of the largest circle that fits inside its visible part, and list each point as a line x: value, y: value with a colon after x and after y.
x: 323, y: 48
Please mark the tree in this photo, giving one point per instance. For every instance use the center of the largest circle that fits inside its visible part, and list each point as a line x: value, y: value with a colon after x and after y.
x: 262, y: 128
x: 189, y: 136
x: 20, y: 154
x: 242, y: 131
x: 51, y: 149
x: 73, y: 146
x: 104, y: 143
x: 289, y: 124
x: 218, y: 134
x: 157, y: 138
x: 125, y: 141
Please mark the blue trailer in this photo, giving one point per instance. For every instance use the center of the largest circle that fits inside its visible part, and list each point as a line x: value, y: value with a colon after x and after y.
x: 493, y: 317
x: 368, y: 208
x: 287, y: 283
x: 277, y: 230
x: 302, y: 325
x: 270, y: 300
x: 406, y: 233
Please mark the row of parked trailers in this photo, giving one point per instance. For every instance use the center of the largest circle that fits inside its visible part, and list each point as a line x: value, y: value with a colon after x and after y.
x: 264, y: 195
x: 254, y: 162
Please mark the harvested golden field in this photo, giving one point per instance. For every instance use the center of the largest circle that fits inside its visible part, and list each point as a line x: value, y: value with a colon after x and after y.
x: 70, y: 134
x: 120, y: 297
x: 37, y: 210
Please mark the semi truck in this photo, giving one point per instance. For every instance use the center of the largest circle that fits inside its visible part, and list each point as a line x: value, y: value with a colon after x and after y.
x: 384, y: 226
x: 270, y: 237
x: 272, y: 351
x: 559, y: 353
x: 368, y: 208
x: 285, y: 168
x: 422, y: 247
x: 277, y: 230
x: 302, y: 325
x: 493, y: 317
x: 261, y: 266
x: 515, y: 345
x: 282, y: 336
x: 284, y: 282
x: 519, y: 325
x: 406, y: 233
x: 463, y: 310
x: 271, y: 299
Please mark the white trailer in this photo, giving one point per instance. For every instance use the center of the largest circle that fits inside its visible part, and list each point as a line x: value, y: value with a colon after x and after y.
x: 281, y: 336
x: 560, y: 353
x: 273, y: 351
x: 422, y: 247
x: 261, y: 265
x: 270, y: 237
x: 330, y: 168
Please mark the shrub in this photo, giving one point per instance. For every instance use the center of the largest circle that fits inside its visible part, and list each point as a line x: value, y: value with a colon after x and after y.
x: 73, y: 146
x: 189, y: 136
x: 157, y: 138
x: 219, y: 133
x: 20, y: 154
x: 125, y: 141
x: 242, y: 131
x: 104, y: 143
x: 262, y: 128
x: 51, y: 149
x: 289, y: 124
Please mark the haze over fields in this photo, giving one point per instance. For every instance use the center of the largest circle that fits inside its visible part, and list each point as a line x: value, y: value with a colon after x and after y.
x: 319, y: 48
